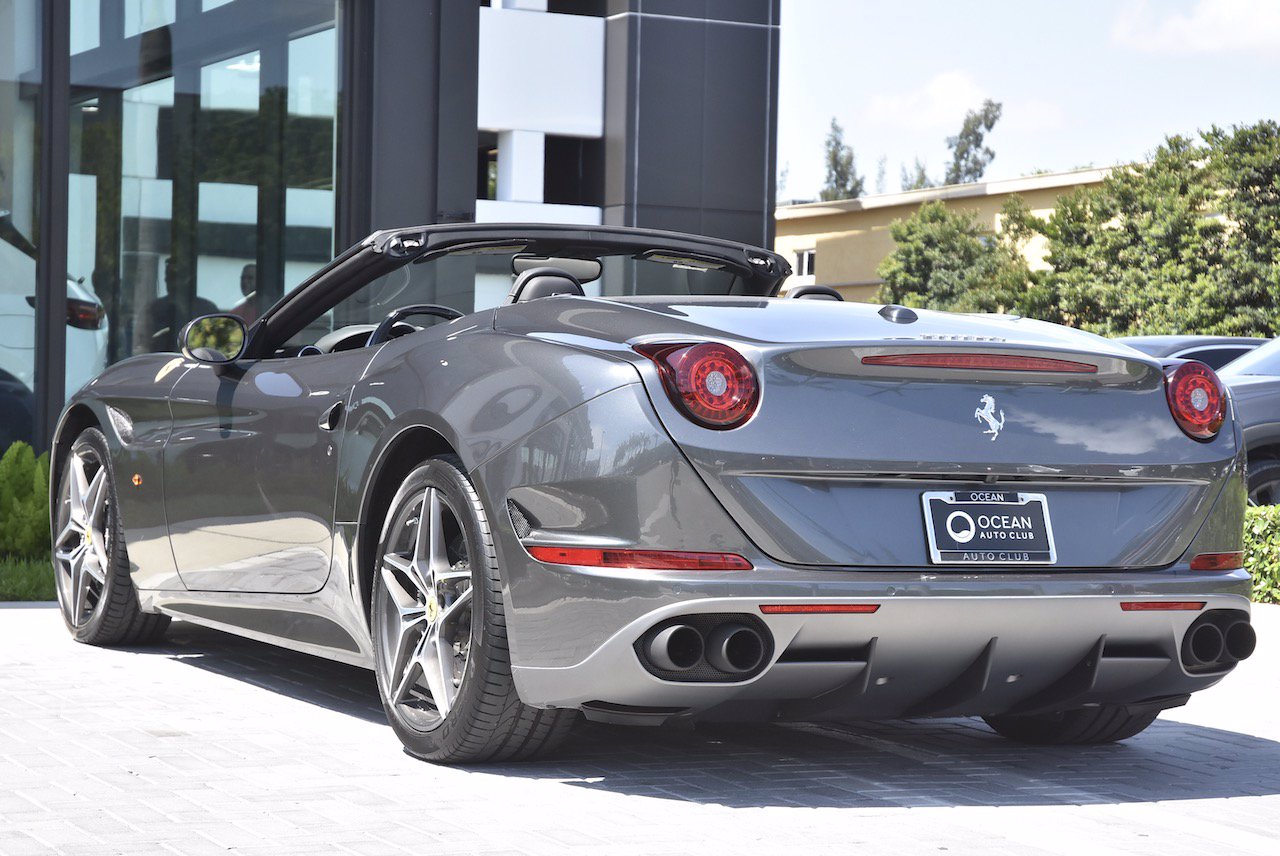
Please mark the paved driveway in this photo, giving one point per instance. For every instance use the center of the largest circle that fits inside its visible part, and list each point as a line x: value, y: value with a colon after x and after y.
x: 216, y: 745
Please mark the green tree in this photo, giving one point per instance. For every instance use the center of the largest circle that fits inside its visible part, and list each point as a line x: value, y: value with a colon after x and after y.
x: 1186, y: 243
x: 970, y: 155
x: 843, y: 181
x: 946, y: 259
x: 916, y: 178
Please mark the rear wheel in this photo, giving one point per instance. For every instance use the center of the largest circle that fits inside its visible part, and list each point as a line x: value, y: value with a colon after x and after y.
x: 1264, y: 482
x: 439, y: 630
x: 1105, y: 724
x: 91, y: 567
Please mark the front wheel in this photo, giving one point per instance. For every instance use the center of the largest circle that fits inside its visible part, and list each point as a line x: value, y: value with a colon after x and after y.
x: 1085, y: 726
x: 91, y: 567
x: 439, y: 629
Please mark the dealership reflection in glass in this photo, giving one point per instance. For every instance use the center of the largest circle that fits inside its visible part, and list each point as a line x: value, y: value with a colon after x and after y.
x: 19, y: 170
x: 202, y: 165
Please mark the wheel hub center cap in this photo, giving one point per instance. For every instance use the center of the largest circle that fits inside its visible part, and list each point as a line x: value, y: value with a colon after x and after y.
x: 433, y: 609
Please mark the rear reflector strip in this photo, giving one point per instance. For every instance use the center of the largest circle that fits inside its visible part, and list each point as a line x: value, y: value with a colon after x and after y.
x: 1162, y: 605
x: 818, y: 608
x: 985, y: 362
x: 1218, y: 561
x: 653, y: 560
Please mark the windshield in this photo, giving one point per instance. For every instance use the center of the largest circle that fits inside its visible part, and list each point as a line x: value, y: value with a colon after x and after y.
x: 1261, y: 361
x: 471, y: 279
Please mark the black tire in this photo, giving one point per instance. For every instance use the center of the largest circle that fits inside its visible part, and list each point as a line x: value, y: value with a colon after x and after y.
x: 114, y: 616
x: 487, y: 721
x: 1264, y: 481
x: 1085, y: 726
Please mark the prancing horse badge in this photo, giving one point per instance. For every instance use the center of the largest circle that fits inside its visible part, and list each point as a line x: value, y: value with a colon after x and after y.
x: 987, y: 414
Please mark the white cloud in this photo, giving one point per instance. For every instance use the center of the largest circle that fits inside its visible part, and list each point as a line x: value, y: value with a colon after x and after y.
x: 940, y: 104
x: 1209, y: 26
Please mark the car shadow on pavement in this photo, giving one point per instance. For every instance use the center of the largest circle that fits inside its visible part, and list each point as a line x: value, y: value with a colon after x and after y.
x: 325, y: 683
x: 939, y: 762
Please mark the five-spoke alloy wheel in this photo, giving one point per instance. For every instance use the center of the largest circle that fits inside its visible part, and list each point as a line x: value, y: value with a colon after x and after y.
x: 91, y: 568
x: 439, y: 632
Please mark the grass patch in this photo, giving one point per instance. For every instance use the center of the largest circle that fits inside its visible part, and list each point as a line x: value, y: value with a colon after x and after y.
x: 26, y: 579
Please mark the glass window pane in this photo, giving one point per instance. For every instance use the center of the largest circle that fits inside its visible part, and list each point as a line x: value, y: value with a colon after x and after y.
x: 201, y: 179
x: 143, y: 15
x: 84, y: 25
x: 19, y: 171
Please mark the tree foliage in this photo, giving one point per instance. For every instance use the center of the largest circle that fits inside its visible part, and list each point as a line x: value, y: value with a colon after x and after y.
x: 24, y: 502
x: 1186, y: 243
x: 843, y: 181
x: 945, y: 259
x: 916, y: 178
x: 970, y: 155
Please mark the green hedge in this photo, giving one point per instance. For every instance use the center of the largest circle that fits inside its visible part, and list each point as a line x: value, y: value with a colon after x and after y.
x: 26, y: 579
x: 1262, y: 551
x: 24, y: 502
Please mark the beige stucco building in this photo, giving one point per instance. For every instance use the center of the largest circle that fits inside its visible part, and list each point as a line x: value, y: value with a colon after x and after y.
x: 840, y: 243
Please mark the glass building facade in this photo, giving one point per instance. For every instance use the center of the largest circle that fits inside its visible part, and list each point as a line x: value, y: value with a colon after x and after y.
x: 163, y: 159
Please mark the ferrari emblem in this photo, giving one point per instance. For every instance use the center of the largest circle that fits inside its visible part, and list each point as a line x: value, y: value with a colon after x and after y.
x: 433, y: 609
x: 987, y: 413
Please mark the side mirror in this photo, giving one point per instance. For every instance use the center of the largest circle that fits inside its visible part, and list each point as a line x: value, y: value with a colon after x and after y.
x: 214, y: 339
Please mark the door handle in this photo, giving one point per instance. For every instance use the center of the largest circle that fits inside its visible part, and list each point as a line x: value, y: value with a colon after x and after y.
x: 331, y: 417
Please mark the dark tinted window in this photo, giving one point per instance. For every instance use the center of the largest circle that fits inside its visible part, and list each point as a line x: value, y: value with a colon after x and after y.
x: 1215, y: 357
x: 1260, y: 361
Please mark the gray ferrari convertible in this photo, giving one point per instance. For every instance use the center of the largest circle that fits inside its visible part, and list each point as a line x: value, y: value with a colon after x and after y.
x: 645, y: 489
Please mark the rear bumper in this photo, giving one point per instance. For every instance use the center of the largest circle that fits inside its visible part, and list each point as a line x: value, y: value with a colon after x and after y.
x: 937, y: 645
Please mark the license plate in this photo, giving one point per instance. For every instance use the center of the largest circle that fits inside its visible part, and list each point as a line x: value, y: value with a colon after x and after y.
x: 988, y: 527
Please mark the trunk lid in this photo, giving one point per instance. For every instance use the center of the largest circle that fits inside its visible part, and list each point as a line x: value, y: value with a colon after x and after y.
x: 833, y: 468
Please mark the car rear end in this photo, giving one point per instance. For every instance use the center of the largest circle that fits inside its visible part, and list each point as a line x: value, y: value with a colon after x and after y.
x: 931, y: 515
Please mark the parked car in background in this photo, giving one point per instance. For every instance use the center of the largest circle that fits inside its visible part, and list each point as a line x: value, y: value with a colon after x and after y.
x: 1214, y: 351
x: 646, y: 488
x: 86, y: 338
x: 1254, y: 381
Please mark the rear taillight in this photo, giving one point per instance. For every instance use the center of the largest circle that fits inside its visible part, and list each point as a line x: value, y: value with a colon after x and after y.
x: 980, y: 362
x: 84, y: 314
x: 1197, y: 399
x: 710, y: 383
x: 653, y: 560
x: 1218, y: 561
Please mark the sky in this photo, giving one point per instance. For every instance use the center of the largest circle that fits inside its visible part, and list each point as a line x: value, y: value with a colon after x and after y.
x: 1083, y: 82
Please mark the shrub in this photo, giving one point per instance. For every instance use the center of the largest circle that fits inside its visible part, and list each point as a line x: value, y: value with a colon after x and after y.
x: 24, y: 503
x: 1262, y: 552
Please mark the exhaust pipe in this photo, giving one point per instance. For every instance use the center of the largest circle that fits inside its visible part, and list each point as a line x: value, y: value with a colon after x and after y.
x: 735, y: 648
x: 1203, y: 645
x: 677, y: 648
x: 1240, y: 640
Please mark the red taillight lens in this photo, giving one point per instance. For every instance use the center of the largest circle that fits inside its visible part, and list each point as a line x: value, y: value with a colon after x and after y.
x: 710, y: 383
x: 1197, y: 399
x: 653, y: 560
x: 984, y: 362
x: 84, y: 314
x: 1218, y: 561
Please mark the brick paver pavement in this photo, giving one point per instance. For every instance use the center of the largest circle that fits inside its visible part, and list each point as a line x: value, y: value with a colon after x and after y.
x: 212, y: 744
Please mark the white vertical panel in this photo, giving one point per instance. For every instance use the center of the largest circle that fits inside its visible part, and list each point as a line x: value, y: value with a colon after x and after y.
x: 541, y: 72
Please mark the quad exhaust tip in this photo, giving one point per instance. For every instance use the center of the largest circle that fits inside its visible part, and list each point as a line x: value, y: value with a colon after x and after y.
x: 1218, y: 640
x: 677, y: 648
x: 720, y: 647
x: 735, y: 648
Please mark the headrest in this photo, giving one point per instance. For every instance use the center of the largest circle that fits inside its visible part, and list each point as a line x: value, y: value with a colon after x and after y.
x: 815, y: 292
x: 543, y: 282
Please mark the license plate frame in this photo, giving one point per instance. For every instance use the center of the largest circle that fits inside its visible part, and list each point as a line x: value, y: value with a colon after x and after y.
x: 1002, y: 511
